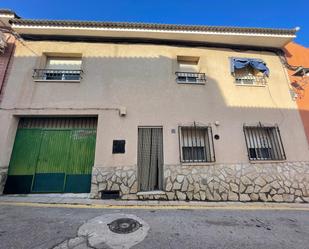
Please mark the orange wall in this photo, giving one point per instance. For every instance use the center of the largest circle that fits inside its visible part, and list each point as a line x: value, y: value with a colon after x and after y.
x: 299, y: 56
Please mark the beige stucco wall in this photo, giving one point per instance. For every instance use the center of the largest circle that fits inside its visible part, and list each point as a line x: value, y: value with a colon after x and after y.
x: 142, y: 79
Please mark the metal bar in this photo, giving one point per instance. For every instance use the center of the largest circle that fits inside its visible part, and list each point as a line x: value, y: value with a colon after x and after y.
x: 246, y: 139
x: 282, y: 148
x: 196, y: 147
x: 272, y: 132
x: 192, y: 149
x: 260, y: 141
x: 210, y: 137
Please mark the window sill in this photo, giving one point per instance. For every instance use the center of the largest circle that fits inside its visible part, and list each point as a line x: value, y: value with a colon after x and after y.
x: 236, y: 84
x: 190, y: 83
x: 266, y: 161
x: 198, y: 164
x: 58, y: 81
x: 154, y: 192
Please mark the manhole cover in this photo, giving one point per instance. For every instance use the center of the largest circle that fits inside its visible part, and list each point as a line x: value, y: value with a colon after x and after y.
x: 124, y: 225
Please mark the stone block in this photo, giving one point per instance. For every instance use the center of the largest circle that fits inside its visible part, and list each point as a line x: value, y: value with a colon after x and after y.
x: 217, y: 197
x: 232, y: 196
x: 176, y: 186
x: 275, y: 185
x: 288, y: 198
x: 197, y: 196
x: 169, y: 186
x: 277, y: 198
x: 203, y: 195
x: 265, y: 189
x: 263, y: 197
x: 190, y: 195
x: 234, y: 187
x: 185, y: 185
x: 254, y: 197
x: 249, y: 190
x: 242, y: 188
x: 180, y: 178
x: 260, y: 182
x: 244, y: 197
x: 181, y: 196
x: 124, y: 189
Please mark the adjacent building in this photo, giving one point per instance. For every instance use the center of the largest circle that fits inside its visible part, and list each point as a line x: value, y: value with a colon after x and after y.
x: 297, y: 59
x: 152, y: 111
x: 7, y: 45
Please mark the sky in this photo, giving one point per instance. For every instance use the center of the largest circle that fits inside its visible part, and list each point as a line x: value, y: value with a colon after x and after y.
x: 242, y: 13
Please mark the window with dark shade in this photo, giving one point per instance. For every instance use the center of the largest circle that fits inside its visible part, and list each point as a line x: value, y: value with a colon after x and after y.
x: 119, y: 146
x: 264, y: 143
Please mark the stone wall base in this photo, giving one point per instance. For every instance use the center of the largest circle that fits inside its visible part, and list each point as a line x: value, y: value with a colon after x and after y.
x: 266, y: 182
x: 3, y: 177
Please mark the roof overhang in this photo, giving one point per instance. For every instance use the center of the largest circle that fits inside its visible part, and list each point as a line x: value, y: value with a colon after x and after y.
x: 257, y: 37
x: 5, y: 16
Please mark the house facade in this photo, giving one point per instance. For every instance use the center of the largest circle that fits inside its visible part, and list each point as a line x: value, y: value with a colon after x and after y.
x: 151, y: 111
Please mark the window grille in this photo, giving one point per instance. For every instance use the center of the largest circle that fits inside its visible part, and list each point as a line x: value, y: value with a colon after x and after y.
x: 196, y: 144
x: 249, y: 76
x: 60, y: 69
x: 187, y: 77
x: 264, y: 143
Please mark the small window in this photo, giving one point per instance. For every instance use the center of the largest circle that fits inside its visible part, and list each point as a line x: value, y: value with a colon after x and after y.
x: 249, y: 71
x: 60, y: 69
x: 264, y: 143
x: 119, y: 146
x: 188, y: 70
x: 196, y: 144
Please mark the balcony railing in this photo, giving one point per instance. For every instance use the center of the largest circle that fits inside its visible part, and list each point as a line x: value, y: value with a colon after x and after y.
x: 188, y: 77
x: 57, y: 75
x: 249, y: 79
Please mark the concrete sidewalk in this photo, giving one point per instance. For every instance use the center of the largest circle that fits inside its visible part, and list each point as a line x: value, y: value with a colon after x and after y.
x: 83, y: 201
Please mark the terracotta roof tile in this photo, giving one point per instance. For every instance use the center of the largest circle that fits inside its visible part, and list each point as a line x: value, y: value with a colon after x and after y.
x: 151, y: 26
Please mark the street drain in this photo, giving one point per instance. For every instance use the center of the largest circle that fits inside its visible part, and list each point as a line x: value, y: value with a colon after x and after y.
x: 124, y: 225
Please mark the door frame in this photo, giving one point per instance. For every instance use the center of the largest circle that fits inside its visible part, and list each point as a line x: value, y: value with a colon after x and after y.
x: 137, y: 170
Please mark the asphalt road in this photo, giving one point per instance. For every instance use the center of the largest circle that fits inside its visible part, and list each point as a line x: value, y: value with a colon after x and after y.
x: 24, y: 227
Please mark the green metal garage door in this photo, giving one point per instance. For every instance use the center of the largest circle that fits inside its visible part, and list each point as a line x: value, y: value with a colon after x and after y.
x: 52, y: 155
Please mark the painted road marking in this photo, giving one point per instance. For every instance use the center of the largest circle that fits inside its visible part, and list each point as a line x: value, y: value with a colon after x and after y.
x: 167, y: 207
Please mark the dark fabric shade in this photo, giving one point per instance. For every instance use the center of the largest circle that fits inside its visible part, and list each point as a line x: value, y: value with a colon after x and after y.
x: 239, y: 63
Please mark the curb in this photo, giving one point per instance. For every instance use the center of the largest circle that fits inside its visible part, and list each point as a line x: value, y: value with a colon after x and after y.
x: 160, y: 205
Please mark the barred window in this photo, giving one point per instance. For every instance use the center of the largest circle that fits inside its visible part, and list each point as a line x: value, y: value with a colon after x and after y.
x: 196, y: 144
x: 264, y: 143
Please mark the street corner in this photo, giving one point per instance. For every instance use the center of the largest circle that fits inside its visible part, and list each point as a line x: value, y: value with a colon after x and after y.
x: 109, y: 231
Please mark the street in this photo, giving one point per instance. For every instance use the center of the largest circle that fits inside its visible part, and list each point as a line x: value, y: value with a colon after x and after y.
x: 24, y: 227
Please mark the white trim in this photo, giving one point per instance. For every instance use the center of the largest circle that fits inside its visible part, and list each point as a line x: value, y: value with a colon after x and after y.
x: 7, y: 15
x: 57, y: 81
x: 154, y: 192
x: 149, y: 30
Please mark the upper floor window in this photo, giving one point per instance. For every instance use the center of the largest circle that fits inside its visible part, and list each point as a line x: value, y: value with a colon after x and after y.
x: 60, y: 69
x: 264, y: 143
x: 196, y: 144
x: 188, y: 70
x: 249, y: 71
